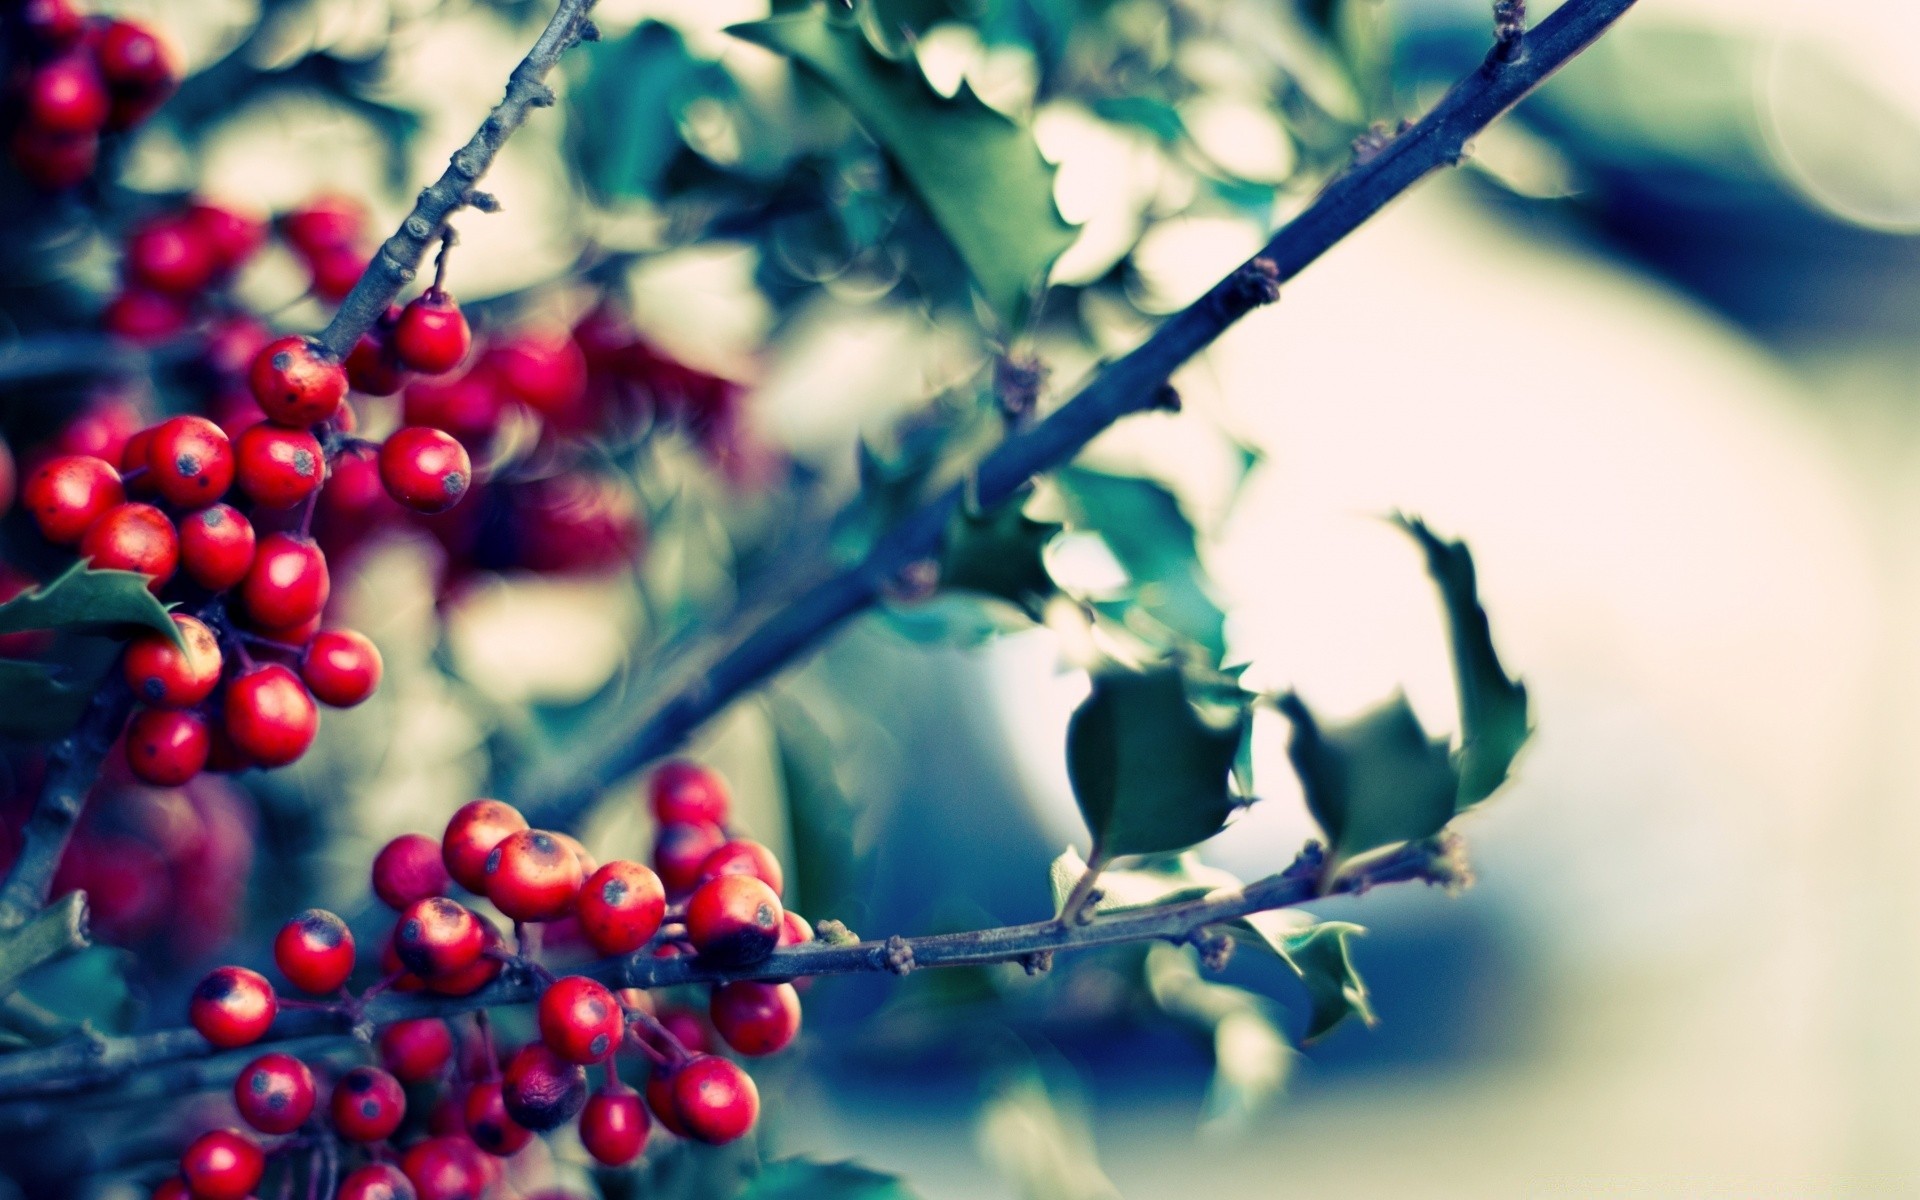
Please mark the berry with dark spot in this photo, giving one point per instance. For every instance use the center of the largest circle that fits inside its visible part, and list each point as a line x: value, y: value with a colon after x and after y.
x: 580, y: 1020
x: 277, y: 466
x: 438, y: 937
x: 488, y: 1123
x: 620, y: 907
x: 297, y: 382
x: 134, y: 537
x: 162, y: 674
x: 744, y: 857
x: 425, y: 469
x: 67, y: 495
x: 471, y: 835
x: 216, y: 546
x: 232, y: 1007
x: 274, y: 1093
x: 734, y: 920
x: 542, y: 1091
x: 223, y: 1164
x: 716, y: 1100
x: 189, y: 462
x: 377, y: 1181
x: 167, y: 747
x: 533, y: 876
x: 315, y: 952
x: 368, y: 1105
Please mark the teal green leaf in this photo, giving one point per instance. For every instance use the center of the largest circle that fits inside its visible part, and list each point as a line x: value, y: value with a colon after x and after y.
x: 802, y: 1179
x: 1494, y: 720
x: 87, y: 988
x: 1149, y: 774
x: 1374, y: 781
x: 979, y: 175
x: 1156, y: 544
x: 1324, y: 961
x: 83, y: 599
x: 1251, y: 1058
x: 892, y: 26
x: 957, y: 619
x: 1167, y: 880
x: 36, y: 703
x: 625, y: 119
x: 1001, y: 552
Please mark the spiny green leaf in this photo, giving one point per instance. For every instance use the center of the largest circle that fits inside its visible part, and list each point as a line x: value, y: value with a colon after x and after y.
x: 36, y: 703
x: 81, y: 598
x: 1324, y: 962
x: 1150, y: 775
x: 892, y: 26
x: 979, y: 175
x: 1374, y: 781
x: 1000, y: 552
x: 1251, y: 1057
x: 802, y: 1179
x: 626, y: 117
x: 1494, y: 721
x: 1165, y: 881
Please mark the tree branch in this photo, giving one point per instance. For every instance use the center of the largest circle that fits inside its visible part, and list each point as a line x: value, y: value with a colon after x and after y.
x: 86, y: 1065
x: 72, y: 768
x: 400, y: 256
x: 557, y: 792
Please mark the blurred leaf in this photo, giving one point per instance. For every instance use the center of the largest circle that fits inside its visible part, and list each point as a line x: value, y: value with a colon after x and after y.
x: 1251, y: 1058
x: 1165, y: 881
x: 1493, y: 705
x: 1374, y: 781
x: 801, y: 1179
x: 819, y: 810
x: 892, y: 26
x: 1142, y: 524
x: 1000, y: 552
x: 36, y: 703
x: 1149, y: 774
x: 979, y: 175
x: 83, y: 599
x: 1041, y: 1143
x: 1322, y: 958
x: 955, y: 619
x: 625, y: 121
x: 89, y: 987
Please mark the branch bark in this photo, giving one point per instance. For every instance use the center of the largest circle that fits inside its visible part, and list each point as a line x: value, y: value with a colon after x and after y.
x: 766, y: 641
x: 72, y: 768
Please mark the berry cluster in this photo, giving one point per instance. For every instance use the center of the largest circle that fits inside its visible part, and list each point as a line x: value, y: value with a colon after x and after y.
x: 80, y: 77
x: 722, y: 906
x: 172, y: 266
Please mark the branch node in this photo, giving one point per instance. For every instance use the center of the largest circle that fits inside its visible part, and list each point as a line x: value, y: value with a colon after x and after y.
x: 418, y: 228
x: 1509, y: 32
x: 539, y: 95
x: 485, y: 202
x: 915, y: 582
x: 1166, y: 399
x: 1255, y: 283
x: 1216, y: 948
x: 589, y: 32
x: 899, y: 955
x: 1038, y: 962
x: 835, y: 933
x: 1017, y: 380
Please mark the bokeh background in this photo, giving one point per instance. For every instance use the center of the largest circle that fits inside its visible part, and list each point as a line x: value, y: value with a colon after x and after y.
x: 1654, y: 353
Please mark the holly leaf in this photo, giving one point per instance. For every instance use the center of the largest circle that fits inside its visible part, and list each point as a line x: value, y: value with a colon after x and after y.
x: 803, y: 1179
x: 626, y: 117
x: 1156, y: 545
x: 1374, y: 781
x: 36, y: 703
x: 1149, y: 773
x: 977, y: 173
x: 1163, y: 881
x: 1000, y: 552
x: 1324, y: 962
x: 1251, y: 1058
x: 1494, y: 720
x: 90, y: 601
x: 87, y: 988
x: 892, y: 26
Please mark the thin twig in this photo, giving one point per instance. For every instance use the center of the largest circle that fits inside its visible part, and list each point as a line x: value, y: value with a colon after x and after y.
x: 72, y: 768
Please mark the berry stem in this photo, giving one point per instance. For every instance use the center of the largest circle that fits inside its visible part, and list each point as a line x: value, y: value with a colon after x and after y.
x: 490, y: 1059
x: 674, y: 1053
x: 447, y: 238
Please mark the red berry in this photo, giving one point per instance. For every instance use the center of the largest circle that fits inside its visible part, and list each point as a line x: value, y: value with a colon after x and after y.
x: 143, y: 316
x: 487, y: 1121
x: 680, y: 848
x: 170, y: 1188
x: 294, y: 636
x: 216, y: 546
x: 683, y: 791
x: 660, y: 1099
x: 134, y: 537
x: 614, y: 1125
x: 232, y: 1006
x: 66, y: 96
x: 368, y: 1105
x: 542, y: 1090
x: 166, y: 748
x: 446, y: 1168
x: 274, y: 1093
x: 744, y: 857
x: 324, y: 223
x: 531, y: 875
x: 716, y: 1100
x: 734, y: 919
x: 472, y: 833
x: 335, y: 270
x: 170, y: 255
x: 232, y: 237
x: 190, y: 461
x: 686, y: 1028
x: 222, y: 1165
x: 431, y: 335
x: 297, y: 382
x: 278, y: 466
x: 425, y: 469
x: 67, y: 495
x: 232, y: 343
x: 620, y: 907
x: 468, y: 407
x: 408, y: 869
x: 55, y: 23
x: 377, y: 1181
x: 543, y: 370
x: 270, y: 716
x: 103, y: 428
x: 315, y: 952
x: 163, y: 674
x: 288, y: 583
x: 479, y: 973
x: 133, y: 60
x: 371, y: 366
x: 580, y: 1020
x: 437, y: 937
x: 341, y: 667
x: 794, y: 930
x: 756, y: 1018
x: 54, y: 161
x: 416, y: 1051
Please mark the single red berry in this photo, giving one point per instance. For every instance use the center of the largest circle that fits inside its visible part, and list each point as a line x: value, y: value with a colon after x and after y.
x: 756, y: 1018
x: 477, y: 974
x: 232, y: 237
x: 297, y: 382
x: 446, y: 1168
x: 620, y: 907
x: 166, y: 748
x: 425, y: 469
x: 278, y: 466
x: 143, y: 316
x: 371, y: 365
x: 270, y: 716
x: 716, y: 1100
x: 544, y: 370
x: 438, y: 936
x: 408, y: 869
x: 341, y: 667
x: 472, y: 833
x: 190, y: 462
x: 468, y: 407
x: 335, y: 270
x: 315, y: 952
x: 216, y: 546
x: 432, y: 334
x: 288, y: 583
x: 232, y: 343
x: 324, y: 223
x: 232, y: 1006
x: 377, y: 1181
x: 53, y: 23
x: 224, y: 1164
x: 134, y: 537
x: 416, y: 1051
x: 682, y: 792
x: 67, y: 495
x: 794, y: 929
x: 533, y: 876
x: 274, y: 1093
x: 580, y: 1020
x: 744, y: 857
x: 684, y: 1026
x: 542, y: 1090
x: 161, y: 673
x: 138, y: 69
x: 487, y: 1121
x: 614, y: 1125
x: 734, y: 919
x: 659, y: 1097
x: 171, y: 255
x: 680, y: 848
x: 170, y: 1188
x: 368, y: 1105
x: 67, y: 96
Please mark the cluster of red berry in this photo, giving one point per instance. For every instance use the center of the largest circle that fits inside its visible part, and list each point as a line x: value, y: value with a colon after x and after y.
x: 82, y: 76
x: 723, y: 906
